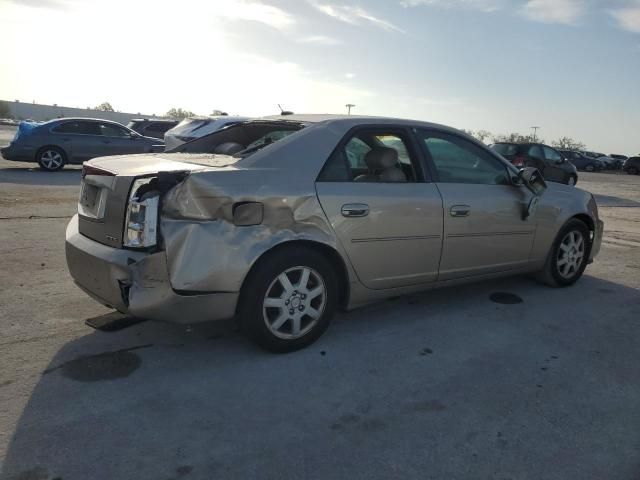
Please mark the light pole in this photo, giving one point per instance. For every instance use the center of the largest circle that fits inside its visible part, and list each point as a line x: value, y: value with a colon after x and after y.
x: 349, y: 107
x: 535, y: 131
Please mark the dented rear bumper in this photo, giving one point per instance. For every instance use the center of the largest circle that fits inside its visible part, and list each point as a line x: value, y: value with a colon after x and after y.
x: 137, y: 283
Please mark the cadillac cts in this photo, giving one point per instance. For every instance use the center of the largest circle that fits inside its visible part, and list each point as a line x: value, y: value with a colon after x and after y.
x: 280, y: 221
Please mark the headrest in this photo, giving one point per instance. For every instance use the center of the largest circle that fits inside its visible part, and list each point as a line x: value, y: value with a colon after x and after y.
x: 228, y: 148
x: 381, y: 158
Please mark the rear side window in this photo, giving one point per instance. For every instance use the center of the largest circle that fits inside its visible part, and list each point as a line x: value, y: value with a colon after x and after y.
x: 82, y: 128
x: 372, y: 157
x: 459, y: 161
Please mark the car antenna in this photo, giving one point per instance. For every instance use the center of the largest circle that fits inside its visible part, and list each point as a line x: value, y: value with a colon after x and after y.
x: 284, y: 112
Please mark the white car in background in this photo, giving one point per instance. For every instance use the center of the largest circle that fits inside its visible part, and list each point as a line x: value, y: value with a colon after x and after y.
x: 196, y: 127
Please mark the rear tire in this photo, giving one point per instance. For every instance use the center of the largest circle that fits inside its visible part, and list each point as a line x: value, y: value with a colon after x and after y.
x: 572, y: 181
x: 632, y: 171
x: 589, y: 168
x: 288, y: 300
x: 569, y: 255
x: 51, y: 159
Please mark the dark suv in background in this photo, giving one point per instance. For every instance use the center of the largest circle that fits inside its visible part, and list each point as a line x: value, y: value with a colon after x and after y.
x: 554, y: 167
x: 582, y: 162
x: 151, y: 127
x: 632, y: 165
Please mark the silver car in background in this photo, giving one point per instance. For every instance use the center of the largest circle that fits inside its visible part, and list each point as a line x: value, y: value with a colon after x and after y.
x: 195, y: 127
x: 280, y: 221
x: 63, y: 141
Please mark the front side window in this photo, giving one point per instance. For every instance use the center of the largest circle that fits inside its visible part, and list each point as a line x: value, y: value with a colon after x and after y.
x: 459, y: 161
x: 551, y: 154
x: 88, y: 128
x: 371, y: 157
x: 536, y: 152
x: 109, y: 130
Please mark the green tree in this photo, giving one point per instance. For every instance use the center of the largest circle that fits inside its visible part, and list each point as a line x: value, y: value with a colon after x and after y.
x: 179, y: 113
x: 105, y: 107
x: 567, y: 143
x: 5, y: 111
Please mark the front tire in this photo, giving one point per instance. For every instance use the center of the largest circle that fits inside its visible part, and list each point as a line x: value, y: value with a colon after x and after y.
x: 572, y: 181
x: 589, y: 168
x: 568, y: 256
x: 51, y: 159
x: 632, y: 171
x: 288, y: 300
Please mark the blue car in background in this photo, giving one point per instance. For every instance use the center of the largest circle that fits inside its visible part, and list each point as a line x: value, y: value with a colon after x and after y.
x: 55, y: 143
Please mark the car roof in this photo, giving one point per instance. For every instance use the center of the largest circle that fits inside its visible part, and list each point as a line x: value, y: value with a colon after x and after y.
x: 84, y: 119
x: 161, y: 120
x: 356, y: 120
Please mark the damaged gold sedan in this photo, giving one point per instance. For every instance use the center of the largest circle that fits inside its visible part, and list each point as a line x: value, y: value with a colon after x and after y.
x: 280, y: 221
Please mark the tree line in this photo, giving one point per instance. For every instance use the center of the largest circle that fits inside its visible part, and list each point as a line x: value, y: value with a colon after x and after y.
x: 564, y: 143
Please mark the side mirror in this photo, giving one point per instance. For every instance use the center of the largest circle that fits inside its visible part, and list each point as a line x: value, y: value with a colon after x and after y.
x: 532, y: 179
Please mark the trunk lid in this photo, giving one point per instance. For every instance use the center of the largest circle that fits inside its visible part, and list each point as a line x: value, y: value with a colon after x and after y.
x: 107, y: 181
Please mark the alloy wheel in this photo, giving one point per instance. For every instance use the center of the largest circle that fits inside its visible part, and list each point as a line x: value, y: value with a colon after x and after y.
x: 294, y: 302
x: 571, y: 254
x: 51, y: 159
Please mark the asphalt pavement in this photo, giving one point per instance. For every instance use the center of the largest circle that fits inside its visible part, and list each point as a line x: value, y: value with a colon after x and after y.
x: 505, y: 379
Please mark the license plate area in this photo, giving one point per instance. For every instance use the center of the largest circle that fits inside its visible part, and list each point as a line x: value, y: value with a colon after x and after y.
x: 92, y: 201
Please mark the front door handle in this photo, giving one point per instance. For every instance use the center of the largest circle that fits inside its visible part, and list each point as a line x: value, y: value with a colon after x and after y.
x: 355, y: 210
x: 460, y: 211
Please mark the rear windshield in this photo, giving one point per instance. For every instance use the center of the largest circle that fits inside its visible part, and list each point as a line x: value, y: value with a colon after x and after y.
x: 242, y: 139
x: 505, y: 148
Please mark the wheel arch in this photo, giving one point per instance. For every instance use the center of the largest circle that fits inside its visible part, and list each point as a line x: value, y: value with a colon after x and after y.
x: 328, y: 251
x: 57, y: 147
x: 586, y: 219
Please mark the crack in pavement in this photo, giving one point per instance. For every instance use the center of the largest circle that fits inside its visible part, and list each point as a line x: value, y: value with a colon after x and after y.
x: 34, y: 217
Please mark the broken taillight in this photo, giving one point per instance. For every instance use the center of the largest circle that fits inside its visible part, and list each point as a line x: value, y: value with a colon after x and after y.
x: 141, y: 223
x: 89, y: 170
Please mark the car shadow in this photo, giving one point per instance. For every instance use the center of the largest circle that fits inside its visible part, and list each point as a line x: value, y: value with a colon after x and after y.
x: 443, y: 381
x: 70, y: 175
x: 611, y: 201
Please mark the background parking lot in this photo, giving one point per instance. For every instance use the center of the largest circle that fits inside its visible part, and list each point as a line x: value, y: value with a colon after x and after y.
x: 464, y: 382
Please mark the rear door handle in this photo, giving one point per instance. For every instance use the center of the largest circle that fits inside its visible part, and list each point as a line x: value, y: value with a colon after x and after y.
x: 460, y: 211
x: 355, y: 210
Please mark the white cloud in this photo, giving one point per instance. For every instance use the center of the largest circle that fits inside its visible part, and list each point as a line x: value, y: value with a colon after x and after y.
x: 482, y: 5
x: 320, y: 40
x: 567, y: 12
x: 256, y: 12
x: 354, y: 15
x: 350, y: 75
x: 628, y: 18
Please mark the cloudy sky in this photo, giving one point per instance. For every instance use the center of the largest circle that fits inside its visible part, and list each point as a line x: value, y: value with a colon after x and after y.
x: 569, y: 66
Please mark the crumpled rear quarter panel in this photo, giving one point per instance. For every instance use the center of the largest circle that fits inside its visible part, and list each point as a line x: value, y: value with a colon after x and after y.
x: 207, y: 252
